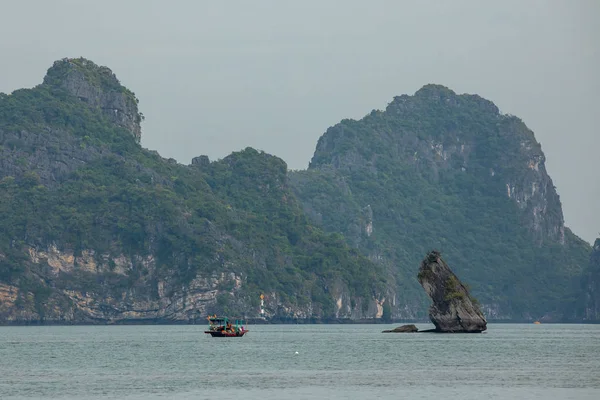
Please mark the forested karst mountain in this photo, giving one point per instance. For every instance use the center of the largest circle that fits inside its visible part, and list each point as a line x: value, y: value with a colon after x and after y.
x: 447, y: 171
x: 591, y: 285
x: 97, y: 229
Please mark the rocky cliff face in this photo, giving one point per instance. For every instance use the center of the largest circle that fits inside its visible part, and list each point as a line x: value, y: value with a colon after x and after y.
x: 154, y: 297
x: 51, y: 139
x: 96, y: 229
x: 98, y: 87
x: 453, y: 309
x: 442, y: 170
x: 592, y: 286
x: 53, y: 155
x: 151, y: 299
x: 437, y: 130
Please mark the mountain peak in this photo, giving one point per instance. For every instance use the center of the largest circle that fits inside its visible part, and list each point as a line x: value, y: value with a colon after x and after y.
x: 98, y: 87
x: 100, y: 76
x: 443, y: 136
x: 442, y: 96
x: 434, y: 91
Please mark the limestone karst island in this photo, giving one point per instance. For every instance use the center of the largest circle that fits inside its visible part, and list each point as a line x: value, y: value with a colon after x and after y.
x: 453, y: 309
x: 98, y: 230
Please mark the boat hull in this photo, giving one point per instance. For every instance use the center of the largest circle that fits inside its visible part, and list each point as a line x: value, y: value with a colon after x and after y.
x: 225, y: 334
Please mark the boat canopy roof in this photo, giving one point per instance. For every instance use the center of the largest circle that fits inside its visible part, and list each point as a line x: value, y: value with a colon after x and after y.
x: 215, y: 319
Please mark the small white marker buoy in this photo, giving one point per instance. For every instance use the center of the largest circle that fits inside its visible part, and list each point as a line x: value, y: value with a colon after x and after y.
x: 296, y: 353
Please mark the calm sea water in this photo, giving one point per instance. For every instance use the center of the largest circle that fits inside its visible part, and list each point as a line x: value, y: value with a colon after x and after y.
x: 510, y: 361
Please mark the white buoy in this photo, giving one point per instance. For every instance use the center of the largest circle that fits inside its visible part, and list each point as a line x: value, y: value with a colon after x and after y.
x: 296, y: 352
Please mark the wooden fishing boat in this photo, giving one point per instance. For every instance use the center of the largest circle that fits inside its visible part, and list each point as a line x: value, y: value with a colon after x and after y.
x: 222, y: 327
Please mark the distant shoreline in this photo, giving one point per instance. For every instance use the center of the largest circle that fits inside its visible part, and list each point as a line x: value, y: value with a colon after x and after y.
x: 280, y: 321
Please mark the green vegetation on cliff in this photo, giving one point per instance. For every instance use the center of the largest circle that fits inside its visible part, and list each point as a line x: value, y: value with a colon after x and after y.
x: 74, y: 180
x: 591, y: 286
x: 96, y: 228
x: 446, y: 171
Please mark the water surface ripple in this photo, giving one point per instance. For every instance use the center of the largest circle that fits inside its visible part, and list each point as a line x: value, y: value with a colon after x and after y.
x: 509, y: 361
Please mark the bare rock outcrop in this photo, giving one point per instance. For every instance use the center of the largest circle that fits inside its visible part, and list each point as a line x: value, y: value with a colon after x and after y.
x: 592, y: 286
x: 98, y: 87
x: 403, y: 329
x: 453, y: 309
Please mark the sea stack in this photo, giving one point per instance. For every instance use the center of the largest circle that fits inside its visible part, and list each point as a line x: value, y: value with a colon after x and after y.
x: 453, y: 309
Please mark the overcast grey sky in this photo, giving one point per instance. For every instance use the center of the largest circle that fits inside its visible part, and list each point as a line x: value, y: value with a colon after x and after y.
x: 216, y: 76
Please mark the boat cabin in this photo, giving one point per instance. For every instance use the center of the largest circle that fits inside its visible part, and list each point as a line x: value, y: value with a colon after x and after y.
x: 223, y: 327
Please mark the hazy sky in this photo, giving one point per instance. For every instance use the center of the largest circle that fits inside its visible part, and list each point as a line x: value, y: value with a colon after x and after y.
x: 216, y: 76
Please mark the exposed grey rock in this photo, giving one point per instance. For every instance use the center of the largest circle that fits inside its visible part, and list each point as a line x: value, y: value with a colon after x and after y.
x: 446, y: 142
x: 522, y: 167
x: 201, y: 161
x: 114, y: 285
x: 156, y: 296
x: 592, y: 286
x: 50, y: 153
x: 98, y: 87
x: 453, y: 309
x: 54, y: 154
x: 403, y: 329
